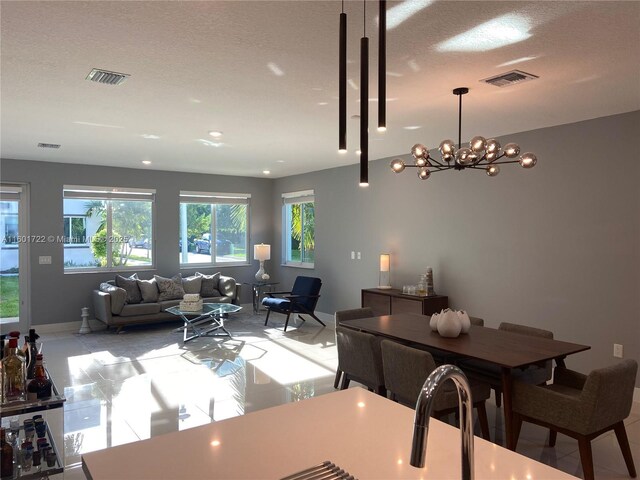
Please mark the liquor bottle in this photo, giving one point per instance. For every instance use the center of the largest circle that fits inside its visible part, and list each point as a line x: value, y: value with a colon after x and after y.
x: 14, y: 374
x: 6, y: 345
x: 6, y: 463
x: 40, y: 386
x: 33, y: 351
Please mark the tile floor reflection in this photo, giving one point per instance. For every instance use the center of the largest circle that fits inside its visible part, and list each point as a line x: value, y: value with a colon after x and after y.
x: 126, y: 387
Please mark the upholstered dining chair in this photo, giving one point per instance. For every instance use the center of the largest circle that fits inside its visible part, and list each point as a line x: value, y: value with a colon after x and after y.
x: 405, y: 371
x: 360, y: 359
x: 580, y: 406
x: 534, y: 374
x: 352, y: 314
x: 302, y: 299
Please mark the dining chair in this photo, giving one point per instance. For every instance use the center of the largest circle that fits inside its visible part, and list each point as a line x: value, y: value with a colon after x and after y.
x: 302, y: 299
x: 341, y: 316
x: 405, y: 370
x: 534, y: 374
x: 360, y: 359
x: 580, y: 406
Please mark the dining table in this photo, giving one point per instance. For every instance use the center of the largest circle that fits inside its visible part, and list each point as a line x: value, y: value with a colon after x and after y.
x: 504, y: 349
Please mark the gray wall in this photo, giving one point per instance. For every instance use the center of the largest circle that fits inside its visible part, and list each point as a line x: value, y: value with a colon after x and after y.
x: 556, y: 247
x: 57, y: 297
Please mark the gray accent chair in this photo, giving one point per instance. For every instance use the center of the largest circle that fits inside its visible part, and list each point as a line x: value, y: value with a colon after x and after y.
x: 534, y: 374
x: 360, y: 359
x: 341, y: 316
x: 405, y: 371
x: 580, y: 406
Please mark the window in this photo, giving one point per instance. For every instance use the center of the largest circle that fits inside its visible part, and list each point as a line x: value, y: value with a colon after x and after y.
x: 299, y: 221
x: 75, y: 230
x: 213, y: 228
x: 107, y: 228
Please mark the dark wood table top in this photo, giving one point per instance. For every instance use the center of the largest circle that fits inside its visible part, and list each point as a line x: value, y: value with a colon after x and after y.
x: 502, y: 348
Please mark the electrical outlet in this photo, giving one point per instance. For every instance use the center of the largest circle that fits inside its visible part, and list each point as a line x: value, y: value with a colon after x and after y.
x: 617, y: 350
x: 44, y: 260
x: 353, y: 255
x: 359, y: 255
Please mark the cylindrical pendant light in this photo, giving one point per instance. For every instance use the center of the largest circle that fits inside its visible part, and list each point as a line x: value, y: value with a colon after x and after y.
x: 382, y: 68
x: 364, y: 104
x: 342, y: 84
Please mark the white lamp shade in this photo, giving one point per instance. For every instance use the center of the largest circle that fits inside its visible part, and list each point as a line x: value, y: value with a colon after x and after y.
x: 385, y: 260
x: 262, y: 252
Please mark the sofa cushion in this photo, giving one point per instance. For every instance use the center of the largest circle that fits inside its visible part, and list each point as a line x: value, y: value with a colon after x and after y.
x: 216, y: 300
x: 168, y: 304
x: 118, y: 297
x: 130, y: 284
x: 148, y: 290
x: 169, y: 288
x: 192, y: 284
x: 209, y: 286
x: 140, y: 309
x: 227, y: 286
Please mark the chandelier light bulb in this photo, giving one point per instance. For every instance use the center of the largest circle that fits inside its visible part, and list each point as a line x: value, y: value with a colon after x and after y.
x: 493, y: 146
x: 478, y: 144
x: 512, y: 150
x: 462, y: 156
x: 419, y: 150
x: 493, y: 170
x: 421, y: 161
x: 397, y: 165
x: 491, y: 156
x: 447, y: 147
x: 528, y: 160
x: 423, y: 173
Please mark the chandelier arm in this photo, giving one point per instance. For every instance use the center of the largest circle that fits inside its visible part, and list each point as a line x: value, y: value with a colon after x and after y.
x: 444, y: 169
x: 436, y: 161
x: 505, y: 161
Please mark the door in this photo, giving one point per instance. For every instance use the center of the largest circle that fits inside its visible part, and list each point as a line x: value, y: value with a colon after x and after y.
x: 14, y: 312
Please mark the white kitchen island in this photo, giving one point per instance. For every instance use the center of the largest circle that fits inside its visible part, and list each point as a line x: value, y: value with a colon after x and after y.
x: 363, y: 433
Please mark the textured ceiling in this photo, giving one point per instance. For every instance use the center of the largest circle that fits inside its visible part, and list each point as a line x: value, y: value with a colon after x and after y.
x: 265, y: 73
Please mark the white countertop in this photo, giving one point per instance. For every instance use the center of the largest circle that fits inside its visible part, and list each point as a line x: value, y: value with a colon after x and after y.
x: 363, y: 433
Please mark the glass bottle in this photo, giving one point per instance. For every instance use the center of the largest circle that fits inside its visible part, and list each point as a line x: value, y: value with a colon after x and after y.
x: 13, y: 374
x: 429, y: 275
x: 33, y: 351
x: 422, y: 286
x: 11, y: 335
x: 6, y: 462
x: 40, y: 386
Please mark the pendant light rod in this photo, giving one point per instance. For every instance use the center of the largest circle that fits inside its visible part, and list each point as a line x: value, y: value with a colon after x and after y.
x: 460, y: 92
x: 342, y: 84
x: 382, y: 68
x: 364, y: 103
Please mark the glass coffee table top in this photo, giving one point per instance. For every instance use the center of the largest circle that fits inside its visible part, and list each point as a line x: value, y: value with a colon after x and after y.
x: 207, y: 308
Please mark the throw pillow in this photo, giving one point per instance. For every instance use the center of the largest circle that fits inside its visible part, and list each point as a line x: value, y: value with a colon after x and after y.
x: 130, y: 284
x: 192, y: 284
x: 169, y: 288
x: 209, y: 286
x: 118, y: 297
x: 149, y: 290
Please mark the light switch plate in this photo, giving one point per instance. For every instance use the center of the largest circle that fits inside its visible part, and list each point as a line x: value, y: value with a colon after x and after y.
x: 617, y: 350
x: 44, y: 260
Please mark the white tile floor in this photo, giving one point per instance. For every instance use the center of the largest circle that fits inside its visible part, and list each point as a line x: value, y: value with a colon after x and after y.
x: 114, y: 399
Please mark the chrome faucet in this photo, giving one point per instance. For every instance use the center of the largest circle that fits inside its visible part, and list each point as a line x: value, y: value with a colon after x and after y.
x: 424, y: 407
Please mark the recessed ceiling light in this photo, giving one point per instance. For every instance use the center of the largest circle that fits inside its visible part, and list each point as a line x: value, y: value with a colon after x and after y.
x: 146, y: 162
x: 150, y: 136
x: 215, y: 133
x: 266, y: 172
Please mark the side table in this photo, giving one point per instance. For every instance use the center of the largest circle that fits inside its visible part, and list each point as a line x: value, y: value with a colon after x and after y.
x: 257, y: 289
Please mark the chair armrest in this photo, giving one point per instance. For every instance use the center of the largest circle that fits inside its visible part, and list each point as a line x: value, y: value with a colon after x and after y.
x: 569, y: 378
x: 550, y: 406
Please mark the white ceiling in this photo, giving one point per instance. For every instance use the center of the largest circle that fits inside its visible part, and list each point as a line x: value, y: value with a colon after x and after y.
x: 201, y: 66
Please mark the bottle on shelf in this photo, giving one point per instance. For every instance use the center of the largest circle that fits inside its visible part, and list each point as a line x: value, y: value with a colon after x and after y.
x: 11, y: 335
x: 429, y: 278
x: 33, y: 351
x: 14, y: 374
x: 40, y: 386
x: 6, y: 462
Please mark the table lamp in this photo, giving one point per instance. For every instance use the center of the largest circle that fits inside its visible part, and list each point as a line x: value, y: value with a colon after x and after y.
x: 385, y: 267
x: 262, y: 252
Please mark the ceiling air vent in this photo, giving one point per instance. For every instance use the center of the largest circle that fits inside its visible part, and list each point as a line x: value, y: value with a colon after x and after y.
x: 509, y: 78
x: 106, y: 77
x: 48, y: 145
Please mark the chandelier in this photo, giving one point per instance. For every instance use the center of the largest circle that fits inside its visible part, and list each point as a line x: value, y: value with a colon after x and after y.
x: 482, y: 154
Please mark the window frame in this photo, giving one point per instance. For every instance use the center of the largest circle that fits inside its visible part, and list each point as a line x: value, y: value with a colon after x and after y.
x: 295, y: 198
x: 110, y: 194
x: 66, y: 238
x: 212, y: 199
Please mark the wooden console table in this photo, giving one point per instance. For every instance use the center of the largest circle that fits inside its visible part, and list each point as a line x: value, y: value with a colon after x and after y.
x: 392, y: 301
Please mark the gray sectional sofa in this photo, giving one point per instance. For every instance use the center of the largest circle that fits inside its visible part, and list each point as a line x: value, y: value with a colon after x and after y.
x: 130, y: 300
